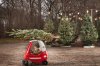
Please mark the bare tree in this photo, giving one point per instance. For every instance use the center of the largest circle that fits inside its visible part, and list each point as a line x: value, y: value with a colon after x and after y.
x: 30, y: 14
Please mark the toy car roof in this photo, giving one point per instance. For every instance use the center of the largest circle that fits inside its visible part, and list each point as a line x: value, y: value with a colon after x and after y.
x: 34, y: 40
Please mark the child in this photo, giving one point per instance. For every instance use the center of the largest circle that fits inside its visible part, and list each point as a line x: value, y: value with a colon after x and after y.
x: 35, y: 49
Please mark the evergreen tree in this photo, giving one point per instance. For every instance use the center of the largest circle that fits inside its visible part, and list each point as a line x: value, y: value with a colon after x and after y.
x: 97, y: 23
x: 88, y: 31
x: 49, y: 27
x: 66, y: 31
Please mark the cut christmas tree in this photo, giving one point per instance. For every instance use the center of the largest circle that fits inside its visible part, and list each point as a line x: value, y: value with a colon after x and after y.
x: 88, y: 31
x: 49, y: 27
x: 66, y: 31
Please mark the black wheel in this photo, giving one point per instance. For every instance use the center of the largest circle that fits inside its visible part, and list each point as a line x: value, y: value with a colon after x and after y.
x: 30, y: 63
x: 45, y: 63
x: 25, y: 63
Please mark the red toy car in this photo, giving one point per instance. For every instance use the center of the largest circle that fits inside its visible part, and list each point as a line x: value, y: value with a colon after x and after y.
x: 36, y: 53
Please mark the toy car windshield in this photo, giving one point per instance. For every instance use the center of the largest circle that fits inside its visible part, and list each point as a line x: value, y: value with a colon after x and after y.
x: 37, y: 47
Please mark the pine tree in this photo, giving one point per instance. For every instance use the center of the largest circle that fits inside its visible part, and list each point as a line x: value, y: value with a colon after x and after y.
x: 97, y: 23
x: 49, y: 27
x: 88, y: 31
x: 66, y: 31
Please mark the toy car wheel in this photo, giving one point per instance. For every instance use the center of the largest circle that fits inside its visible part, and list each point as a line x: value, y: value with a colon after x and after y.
x: 30, y: 63
x: 45, y: 63
x: 25, y: 63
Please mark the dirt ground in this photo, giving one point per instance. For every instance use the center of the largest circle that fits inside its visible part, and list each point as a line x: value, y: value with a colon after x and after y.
x: 12, y: 54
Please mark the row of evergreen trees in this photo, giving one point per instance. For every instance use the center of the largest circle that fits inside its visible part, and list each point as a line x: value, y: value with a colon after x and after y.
x: 88, y: 32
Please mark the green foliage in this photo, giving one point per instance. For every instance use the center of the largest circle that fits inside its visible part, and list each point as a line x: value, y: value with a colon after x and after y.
x: 97, y: 23
x: 49, y: 27
x: 47, y: 37
x: 66, y: 30
x: 31, y: 34
x: 88, y: 30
